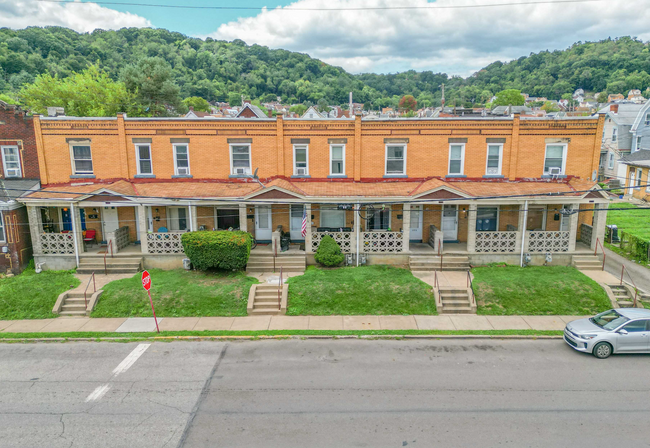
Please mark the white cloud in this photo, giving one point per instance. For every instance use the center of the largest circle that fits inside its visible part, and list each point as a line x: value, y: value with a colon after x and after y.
x: 455, y: 41
x: 82, y: 17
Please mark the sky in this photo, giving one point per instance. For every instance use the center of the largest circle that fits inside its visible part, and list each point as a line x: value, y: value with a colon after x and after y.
x: 426, y: 35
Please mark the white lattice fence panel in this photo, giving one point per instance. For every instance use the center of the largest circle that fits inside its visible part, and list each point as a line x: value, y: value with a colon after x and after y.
x: 383, y: 242
x: 585, y: 234
x: 164, y: 243
x: 57, y: 243
x: 496, y: 242
x: 542, y: 241
x: 344, y: 240
x: 122, y: 237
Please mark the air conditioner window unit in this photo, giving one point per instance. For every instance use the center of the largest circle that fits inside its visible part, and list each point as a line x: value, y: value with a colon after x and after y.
x: 240, y: 170
x: 182, y: 171
x: 301, y: 171
x: 555, y: 171
x: 13, y: 173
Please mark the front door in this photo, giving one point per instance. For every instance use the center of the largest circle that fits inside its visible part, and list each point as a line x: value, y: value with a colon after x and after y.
x: 637, y: 337
x: 263, y: 224
x: 450, y: 222
x: 110, y: 220
x: 297, y: 212
x: 415, y: 232
x: 565, y: 220
x: 631, y: 184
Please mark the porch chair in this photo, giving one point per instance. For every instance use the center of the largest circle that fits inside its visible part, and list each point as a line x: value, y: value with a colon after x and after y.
x: 90, y: 235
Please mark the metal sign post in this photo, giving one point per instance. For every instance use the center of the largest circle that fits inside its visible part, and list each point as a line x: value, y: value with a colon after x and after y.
x: 146, y: 284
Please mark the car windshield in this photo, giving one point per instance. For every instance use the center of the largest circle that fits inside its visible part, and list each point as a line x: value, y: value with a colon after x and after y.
x: 609, y: 320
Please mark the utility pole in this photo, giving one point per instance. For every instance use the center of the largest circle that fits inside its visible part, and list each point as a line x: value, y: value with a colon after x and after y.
x: 350, y: 107
x: 443, y: 97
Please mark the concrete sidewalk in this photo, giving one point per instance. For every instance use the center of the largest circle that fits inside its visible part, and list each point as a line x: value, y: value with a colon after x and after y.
x: 261, y: 323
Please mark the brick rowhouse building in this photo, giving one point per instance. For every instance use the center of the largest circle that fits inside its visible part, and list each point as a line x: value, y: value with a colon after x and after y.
x: 19, y: 174
x: 487, y: 189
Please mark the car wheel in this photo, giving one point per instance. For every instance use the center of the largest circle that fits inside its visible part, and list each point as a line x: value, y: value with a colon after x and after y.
x: 602, y: 350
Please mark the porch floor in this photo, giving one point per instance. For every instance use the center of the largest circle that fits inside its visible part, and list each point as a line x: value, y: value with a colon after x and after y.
x: 98, y: 249
x: 447, y: 248
x: 294, y: 249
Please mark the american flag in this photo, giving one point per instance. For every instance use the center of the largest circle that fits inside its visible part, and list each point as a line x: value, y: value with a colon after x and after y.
x: 303, y: 231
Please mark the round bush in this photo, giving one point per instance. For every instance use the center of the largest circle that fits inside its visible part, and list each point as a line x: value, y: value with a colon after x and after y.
x: 217, y: 249
x: 329, y: 252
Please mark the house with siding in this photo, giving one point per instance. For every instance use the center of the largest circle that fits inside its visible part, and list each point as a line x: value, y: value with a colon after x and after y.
x: 617, y: 141
x: 387, y: 190
x: 637, y: 182
x: 641, y: 129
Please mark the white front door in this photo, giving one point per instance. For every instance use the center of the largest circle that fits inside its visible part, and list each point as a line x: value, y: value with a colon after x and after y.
x: 450, y: 222
x: 110, y: 220
x: 565, y: 220
x: 177, y: 219
x: 631, y: 184
x: 263, y: 224
x: 415, y: 231
x: 297, y: 212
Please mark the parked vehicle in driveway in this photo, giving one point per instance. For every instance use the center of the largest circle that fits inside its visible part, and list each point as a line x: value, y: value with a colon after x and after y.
x: 622, y: 330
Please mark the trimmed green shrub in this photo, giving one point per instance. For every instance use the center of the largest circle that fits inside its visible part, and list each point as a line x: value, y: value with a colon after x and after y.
x: 217, y: 249
x: 329, y: 252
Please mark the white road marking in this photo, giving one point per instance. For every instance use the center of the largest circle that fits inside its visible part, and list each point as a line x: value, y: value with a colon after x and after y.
x: 125, y: 365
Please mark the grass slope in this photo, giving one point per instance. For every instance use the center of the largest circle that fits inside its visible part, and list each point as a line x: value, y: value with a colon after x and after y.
x: 31, y: 295
x: 636, y: 221
x: 537, y: 290
x: 177, y: 293
x: 361, y: 290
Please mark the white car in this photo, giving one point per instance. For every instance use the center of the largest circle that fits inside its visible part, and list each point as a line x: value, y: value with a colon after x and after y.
x: 623, y: 330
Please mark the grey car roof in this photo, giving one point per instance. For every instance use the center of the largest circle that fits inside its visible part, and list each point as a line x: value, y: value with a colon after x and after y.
x: 634, y: 313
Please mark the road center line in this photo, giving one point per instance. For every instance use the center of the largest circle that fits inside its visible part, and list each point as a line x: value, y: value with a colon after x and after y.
x: 98, y: 393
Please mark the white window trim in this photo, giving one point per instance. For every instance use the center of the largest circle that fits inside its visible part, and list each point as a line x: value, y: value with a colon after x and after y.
x: 295, y: 168
x: 250, y: 159
x: 189, y: 171
x: 639, y: 178
x: 564, y: 153
x: 337, y: 174
x: 390, y: 220
x: 544, y: 209
x: 462, y: 160
x: 614, y: 134
x: 487, y: 156
x: 137, y: 158
x: 4, y: 160
x: 610, y: 160
x: 169, y: 218
x: 498, y: 216
x: 403, y: 173
x: 647, y: 187
x: 72, y: 159
x: 3, y: 236
x: 320, y: 215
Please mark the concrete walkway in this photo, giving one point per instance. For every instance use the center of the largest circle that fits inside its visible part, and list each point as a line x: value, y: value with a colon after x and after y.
x: 260, y: 323
x: 445, y: 278
x: 640, y: 273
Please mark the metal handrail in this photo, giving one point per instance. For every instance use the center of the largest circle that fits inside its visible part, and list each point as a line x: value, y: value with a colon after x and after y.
x: 92, y: 277
x: 636, y: 290
x: 440, y: 254
x: 280, y: 291
x: 275, y: 254
x: 109, y: 245
x: 470, y: 285
x: 603, y: 249
x: 436, y: 285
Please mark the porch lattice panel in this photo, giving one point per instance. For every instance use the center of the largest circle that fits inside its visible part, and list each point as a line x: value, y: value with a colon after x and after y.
x: 383, y: 242
x: 344, y: 240
x: 496, y: 242
x: 542, y: 241
x: 122, y: 237
x: 164, y: 243
x: 57, y: 243
x: 585, y: 234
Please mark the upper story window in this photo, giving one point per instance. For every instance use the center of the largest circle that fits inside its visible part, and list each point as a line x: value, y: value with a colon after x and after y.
x: 610, y: 163
x: 647, y: 119
x: 300, y: 160
x: 82, y: 161
x: 143, y: 154
x: 240, y: 160
x: 456, y: 159
x: 337, y: 160
x: 494, y: 156
x: 181, y: 160
x: 555, y: 159
x: 638, y: 143
x: 614, y: 132
x: 11, y: 161
x: 396, y: 159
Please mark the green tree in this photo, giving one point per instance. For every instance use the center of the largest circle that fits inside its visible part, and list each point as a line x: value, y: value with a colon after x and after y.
x: 601, y: 97
x: 323, y: 105
x: 151, y: 83
x: 550, y: 107
x: 509, y: 97
x: 197, y: 103
x: 408, y: 103
x: 299, y: 109
x: 90, y: 93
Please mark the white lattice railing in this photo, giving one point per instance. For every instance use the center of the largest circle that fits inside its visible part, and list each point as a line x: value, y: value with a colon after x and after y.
x: 57, y: 243
x: 164, y: 243
x: 548, y: 241
x: 496, y: 242
x: 122, y: 238
x: 344, y: 240
x: 382, y: 242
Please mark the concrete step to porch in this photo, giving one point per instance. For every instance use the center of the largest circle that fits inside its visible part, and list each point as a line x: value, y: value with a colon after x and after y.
x: 131, y: 265
x: 455, y: 301
x: 622, y: 296
x: 265, y: 263
x: 433, y: 263
x: 587, y: 262
x: 267, y: 301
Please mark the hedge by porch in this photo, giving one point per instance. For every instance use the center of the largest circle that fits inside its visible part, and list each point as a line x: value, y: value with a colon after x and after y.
x: 217, y: 249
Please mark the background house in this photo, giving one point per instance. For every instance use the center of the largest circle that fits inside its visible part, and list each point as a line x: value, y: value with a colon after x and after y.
x: 616, y: 140
x: 637, y: 180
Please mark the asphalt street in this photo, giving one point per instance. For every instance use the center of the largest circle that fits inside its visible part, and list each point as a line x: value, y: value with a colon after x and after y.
x: 640, y: 274
x: 321, y: 393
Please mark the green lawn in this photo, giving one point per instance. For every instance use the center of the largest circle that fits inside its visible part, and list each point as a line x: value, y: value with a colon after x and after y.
x: 634, y: 221
x: 537, y: 290
x: 360, y: 290
x: 31, y: 295
x: 177, y: 293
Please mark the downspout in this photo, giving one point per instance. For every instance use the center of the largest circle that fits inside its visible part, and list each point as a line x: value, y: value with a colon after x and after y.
x: 189, y: 214
x: 74, y: 233
x: 523, y: 234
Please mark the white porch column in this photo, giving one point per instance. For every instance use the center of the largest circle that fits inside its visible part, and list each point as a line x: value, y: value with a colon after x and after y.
x: 35, y: 228
x: 77, y: 231
x: 600, y: 219
x: 194, y: 221
x: 243, y: 221
x: 356, y: 231
x: 471, y: 228
x: 573, y: 227
x: 143, y: 226
x: 308, y: 233
x: 520, y: 226
x: 406, y: 226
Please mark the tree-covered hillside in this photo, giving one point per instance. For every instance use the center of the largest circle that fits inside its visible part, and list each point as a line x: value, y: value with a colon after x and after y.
x: 223, y: 71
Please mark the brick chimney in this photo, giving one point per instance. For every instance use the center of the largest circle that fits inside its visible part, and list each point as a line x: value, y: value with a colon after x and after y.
x: 613, y: 108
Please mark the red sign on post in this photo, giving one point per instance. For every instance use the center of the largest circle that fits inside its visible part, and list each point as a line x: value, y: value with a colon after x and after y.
x: 146, y: 284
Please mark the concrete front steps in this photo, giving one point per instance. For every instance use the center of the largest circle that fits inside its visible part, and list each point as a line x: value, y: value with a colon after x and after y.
x: 264, y: 299
x: 73, y: 304
x: 454, y: 300
x: 624, y: 296
x: 587, y: 262
x: 115, y: 265
x: 264, y: 263
x: 419, y: 263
